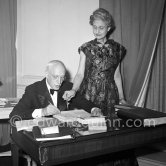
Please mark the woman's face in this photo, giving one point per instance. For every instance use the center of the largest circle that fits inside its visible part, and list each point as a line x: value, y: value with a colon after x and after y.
x: 100, y: 29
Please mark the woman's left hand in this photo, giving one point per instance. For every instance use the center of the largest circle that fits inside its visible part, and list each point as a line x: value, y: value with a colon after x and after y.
x: 123, y: 101
x: 96, y: 112
x: 69, y: 94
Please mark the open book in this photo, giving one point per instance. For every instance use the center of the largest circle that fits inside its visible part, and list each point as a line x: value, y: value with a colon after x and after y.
x: 145, y: 116
x: 84, y: 118
x: 72, y: 115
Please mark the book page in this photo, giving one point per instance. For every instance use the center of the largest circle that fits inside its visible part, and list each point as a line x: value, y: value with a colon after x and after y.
x: 72, y: 115
x: 76, y: 113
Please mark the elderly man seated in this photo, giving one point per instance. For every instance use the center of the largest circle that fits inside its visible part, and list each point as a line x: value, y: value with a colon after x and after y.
x: 45, y: 97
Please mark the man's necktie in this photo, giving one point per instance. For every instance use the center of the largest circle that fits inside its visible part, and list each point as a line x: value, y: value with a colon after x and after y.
x: 52, y: 91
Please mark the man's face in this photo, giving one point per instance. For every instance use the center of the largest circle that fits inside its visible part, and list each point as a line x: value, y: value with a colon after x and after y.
x: 56, y: 77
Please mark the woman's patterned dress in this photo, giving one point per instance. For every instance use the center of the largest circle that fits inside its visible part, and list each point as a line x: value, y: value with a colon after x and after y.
x: 98, y: 84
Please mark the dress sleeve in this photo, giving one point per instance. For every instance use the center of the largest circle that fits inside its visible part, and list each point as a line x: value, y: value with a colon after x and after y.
x: 83, y: 48
x: 79, y: 49
x: 122, y: 52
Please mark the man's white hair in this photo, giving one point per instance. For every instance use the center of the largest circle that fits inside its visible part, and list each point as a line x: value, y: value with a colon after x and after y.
x: 54, y: 63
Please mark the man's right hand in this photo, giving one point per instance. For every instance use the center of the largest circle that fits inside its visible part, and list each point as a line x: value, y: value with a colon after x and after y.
x: 50, y: 110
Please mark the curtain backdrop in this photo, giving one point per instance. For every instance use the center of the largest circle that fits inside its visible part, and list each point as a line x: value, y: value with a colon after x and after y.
x: 156, y: 96
x: 7, y: 48
x: 135, y: 29
x: 7, y: 58
x: 146, y: 52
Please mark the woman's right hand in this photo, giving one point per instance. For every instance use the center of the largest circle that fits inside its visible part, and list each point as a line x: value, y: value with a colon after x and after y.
x: 69, y: 94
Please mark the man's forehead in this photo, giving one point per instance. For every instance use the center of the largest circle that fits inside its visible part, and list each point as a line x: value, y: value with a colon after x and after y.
x: 58, y: 70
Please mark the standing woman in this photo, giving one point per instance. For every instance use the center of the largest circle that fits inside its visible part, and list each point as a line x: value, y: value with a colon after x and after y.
x: 98, y: 77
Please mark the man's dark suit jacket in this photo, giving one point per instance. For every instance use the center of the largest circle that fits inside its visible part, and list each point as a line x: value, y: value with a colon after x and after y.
x: 37, y: 96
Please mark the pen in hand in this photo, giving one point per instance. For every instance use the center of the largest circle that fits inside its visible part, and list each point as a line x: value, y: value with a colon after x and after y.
x: 67, y: 104
x: 49, y: 102
x: 53, y: 109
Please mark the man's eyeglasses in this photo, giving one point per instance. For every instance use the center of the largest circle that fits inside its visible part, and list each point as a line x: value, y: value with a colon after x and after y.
x: 56, y: 77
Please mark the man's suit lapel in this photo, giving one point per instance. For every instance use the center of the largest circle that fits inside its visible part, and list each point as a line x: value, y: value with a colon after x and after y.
x: 61, y: 104
x: 44, y: 91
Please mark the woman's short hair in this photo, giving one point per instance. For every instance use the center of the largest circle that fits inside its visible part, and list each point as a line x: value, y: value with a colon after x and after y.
x: 104, y: 15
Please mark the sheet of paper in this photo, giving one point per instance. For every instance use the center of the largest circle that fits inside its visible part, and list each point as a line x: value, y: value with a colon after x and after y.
x: 50, y: 130
x: 55, y: 138
x: 28, y: 124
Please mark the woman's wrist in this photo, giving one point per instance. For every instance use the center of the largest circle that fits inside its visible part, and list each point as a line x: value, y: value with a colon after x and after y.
x: 122, y: 98
x: 74, y: 90
x: 122, y: 101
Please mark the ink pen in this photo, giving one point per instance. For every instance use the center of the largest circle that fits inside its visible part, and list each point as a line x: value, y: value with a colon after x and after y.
x: 67, y: 104
x: 50, y: 102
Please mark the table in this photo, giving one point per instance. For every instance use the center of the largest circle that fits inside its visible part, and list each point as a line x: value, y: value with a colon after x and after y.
x: 84, y: 147
x: 4, y: 112
x: 5, y: 131
x: 6, y: 106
